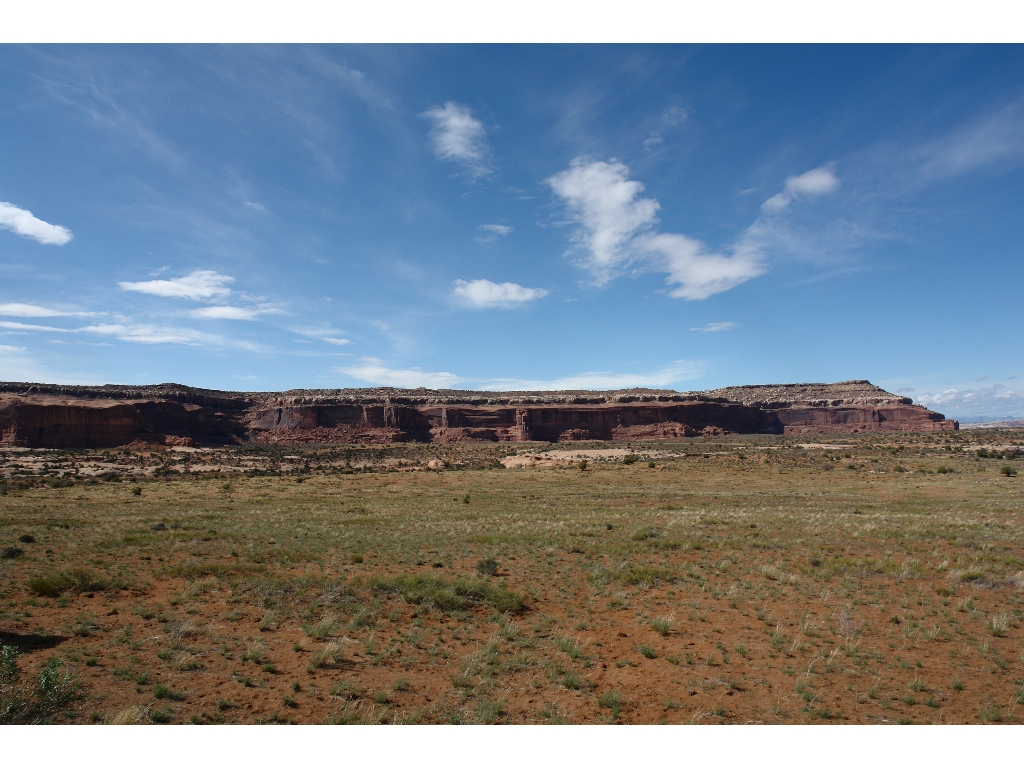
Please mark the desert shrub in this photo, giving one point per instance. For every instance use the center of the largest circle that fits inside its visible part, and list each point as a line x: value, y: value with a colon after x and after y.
x: 51, y: 691
x: 644, y: 575
x: 487, y: 567
x: 449, y: 595
x: 630, y: 459
x: 75, y: 580
x: 1008, y: 471
x: 647, y: 533
x: 11, y: 553
x: 27, y: 538
x: 662, y: 625
x: 610, y: 700
x: 944, y: 470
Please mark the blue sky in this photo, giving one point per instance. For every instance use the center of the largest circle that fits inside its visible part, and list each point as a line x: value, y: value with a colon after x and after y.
x: 264, y: 218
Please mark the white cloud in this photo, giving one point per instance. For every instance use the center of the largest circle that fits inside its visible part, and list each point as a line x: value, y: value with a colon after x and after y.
x: 997, y: 401
x: 22, y: 222
x: 484, y: 293
x: 998, y: 137
x: 27, y: 327
x: 458, y: 136
x: 200, y: 284
x: 34, y: 310
x: 226, y: 313
x: 491, y: 232
x: 716, y: 327
x: 7, y: 349
x: 372, y: 370
x: 614, y: 232
x: 603, y: 199
x: 813, y: 183
x: 323, y: 333
x: 680, y: 370
x: 700, y: 274
x: 150, y: 334
x: 254, y: 205
x: 672, y: 118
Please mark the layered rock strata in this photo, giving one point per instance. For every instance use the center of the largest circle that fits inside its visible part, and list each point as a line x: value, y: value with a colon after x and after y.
x: 52, y: 416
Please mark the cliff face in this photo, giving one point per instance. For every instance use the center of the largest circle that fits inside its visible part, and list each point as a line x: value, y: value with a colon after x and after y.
x: 50, y: 416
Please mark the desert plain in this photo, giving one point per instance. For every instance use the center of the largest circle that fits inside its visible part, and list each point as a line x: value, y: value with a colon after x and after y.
x: 844, y: 578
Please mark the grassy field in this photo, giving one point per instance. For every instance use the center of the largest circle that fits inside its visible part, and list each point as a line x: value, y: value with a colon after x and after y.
x: 746, y: 579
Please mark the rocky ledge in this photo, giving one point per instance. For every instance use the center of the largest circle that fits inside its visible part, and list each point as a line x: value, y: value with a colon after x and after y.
x: 55, y: 416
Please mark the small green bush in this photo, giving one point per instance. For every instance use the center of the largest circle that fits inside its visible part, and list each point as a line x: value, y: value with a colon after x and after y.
x: 51, y: 692
x: 487, y: 567
x: 449, y: 595
x: 630, y: 459
x: 1008, y: 471
x: 74, y: 580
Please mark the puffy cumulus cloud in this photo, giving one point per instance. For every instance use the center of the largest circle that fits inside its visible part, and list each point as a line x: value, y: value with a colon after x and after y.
x: 482, y: 294
x: 488, y: 233
x: 997, y: 401
x: 697, y: 272
x: 22, y: 222
x: 34, y: 310
x: 813, y: 183
x: 679, y: 370
x: 615, y: 223
x: 372, y: 370
x: 459, y: 137
x: 716, y: 327
x: 196, y: 285
x: 607, y: 205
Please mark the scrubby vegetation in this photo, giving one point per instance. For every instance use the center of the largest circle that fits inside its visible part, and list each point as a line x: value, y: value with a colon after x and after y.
x: 852, y: 578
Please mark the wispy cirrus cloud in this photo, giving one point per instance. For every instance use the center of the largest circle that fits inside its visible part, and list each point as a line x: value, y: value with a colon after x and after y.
x: 323, y: 333
x: 716, y: 327
x: 34, y: 310
x: 677, y: 371
x: 373, y: 371
x: 12, y: 326
x: 22, y: 222
x: 142, y: 333
x: 227, y: 312
x: 993, y: 139
x: 196, y: 285
x: 488, y: 233
x: 457, y: 136
x: 481, y: 294
x: 672, y: 118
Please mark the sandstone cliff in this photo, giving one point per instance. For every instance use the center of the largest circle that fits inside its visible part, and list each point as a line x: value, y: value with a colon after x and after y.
x: 41, y: 415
